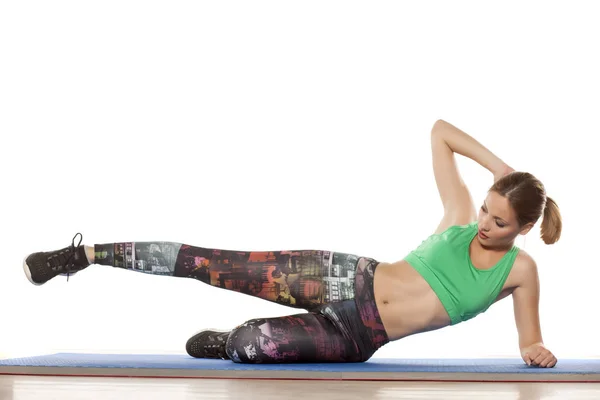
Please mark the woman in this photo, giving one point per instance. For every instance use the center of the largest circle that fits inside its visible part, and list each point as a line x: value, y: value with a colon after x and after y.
x: 356, y: 304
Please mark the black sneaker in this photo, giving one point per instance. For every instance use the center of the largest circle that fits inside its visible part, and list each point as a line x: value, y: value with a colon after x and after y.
x: 208, y: 343
x: 42, y: 266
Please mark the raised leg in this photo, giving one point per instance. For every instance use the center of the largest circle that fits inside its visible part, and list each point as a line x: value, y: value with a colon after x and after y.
x: 297, y: 278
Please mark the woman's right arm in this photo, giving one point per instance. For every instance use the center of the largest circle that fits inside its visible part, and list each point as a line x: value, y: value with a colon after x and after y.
x: 463, y: 144
x: 446, y: 140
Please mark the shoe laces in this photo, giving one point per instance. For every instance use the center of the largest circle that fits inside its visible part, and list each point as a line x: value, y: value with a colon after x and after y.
x: 216, y: 347
x: 215, y: 351
x: 61, y: 261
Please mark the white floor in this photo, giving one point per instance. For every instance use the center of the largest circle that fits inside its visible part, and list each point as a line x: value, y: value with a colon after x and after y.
x: 67, y: 388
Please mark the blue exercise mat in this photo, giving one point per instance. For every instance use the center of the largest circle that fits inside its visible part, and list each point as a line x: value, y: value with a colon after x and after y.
x: 150, y: 365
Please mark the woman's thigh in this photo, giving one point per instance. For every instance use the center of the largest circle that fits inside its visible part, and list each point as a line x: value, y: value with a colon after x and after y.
x: 308, y: 337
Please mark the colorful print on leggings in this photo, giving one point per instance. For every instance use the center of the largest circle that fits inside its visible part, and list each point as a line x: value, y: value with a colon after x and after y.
x: 296, y: 278
x: 158, y: 258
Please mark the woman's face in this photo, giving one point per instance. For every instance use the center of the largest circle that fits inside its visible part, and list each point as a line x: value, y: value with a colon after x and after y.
x: 497, y: 221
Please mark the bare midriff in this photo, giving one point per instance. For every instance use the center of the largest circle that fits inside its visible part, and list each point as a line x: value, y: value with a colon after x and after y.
x: 406, y: 303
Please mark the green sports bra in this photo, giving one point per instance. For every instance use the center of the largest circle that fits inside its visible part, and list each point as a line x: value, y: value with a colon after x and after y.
x: 444, y: 262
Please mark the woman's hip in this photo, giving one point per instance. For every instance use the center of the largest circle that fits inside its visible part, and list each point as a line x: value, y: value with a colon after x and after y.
x: 358, y: 318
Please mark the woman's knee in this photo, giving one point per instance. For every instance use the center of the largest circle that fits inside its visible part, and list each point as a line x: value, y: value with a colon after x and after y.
x: 244, y: 342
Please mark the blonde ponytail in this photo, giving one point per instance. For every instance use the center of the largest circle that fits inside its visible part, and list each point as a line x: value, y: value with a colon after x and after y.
x: 552, y: 223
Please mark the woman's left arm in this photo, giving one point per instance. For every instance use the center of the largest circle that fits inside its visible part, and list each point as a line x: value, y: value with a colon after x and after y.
x: 526, y: 300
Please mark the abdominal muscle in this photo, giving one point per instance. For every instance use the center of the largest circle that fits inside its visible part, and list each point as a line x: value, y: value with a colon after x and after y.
x: 406, y: 303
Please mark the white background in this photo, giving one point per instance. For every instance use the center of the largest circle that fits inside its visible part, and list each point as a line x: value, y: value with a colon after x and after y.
x: 278, y: 125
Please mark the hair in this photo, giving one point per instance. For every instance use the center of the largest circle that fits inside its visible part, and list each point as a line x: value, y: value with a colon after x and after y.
x: 527, y: 195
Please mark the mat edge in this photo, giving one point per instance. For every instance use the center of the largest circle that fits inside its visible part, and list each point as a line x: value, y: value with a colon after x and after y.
x: 299, y: 375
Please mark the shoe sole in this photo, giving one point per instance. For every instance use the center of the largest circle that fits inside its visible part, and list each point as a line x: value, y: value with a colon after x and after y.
x: 28, y: 272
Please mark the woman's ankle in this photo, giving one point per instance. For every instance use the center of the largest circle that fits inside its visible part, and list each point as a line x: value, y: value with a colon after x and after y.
x: 89, y: 252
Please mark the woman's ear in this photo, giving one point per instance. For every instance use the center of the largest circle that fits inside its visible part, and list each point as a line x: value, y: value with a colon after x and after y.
x: 526, y: 228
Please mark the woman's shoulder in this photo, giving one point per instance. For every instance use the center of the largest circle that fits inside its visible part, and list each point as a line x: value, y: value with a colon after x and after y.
x: 524, y: 259
x: 458, y: 231
x: 462, y: 226
x: 456, y: 224
x: 524, y: 268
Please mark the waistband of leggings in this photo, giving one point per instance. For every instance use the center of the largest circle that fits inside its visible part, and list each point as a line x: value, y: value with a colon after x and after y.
x: 365, y: 303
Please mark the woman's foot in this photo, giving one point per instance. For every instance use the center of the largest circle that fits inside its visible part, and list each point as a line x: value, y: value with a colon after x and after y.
x: 42, y: 266
x: 209, y: 343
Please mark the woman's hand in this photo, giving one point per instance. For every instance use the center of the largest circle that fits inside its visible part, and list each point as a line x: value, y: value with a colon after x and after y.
x: 538, y: 355
x: 502, y: 172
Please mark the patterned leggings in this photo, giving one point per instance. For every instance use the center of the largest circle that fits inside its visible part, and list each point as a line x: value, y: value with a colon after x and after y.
x: 342, y: 323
